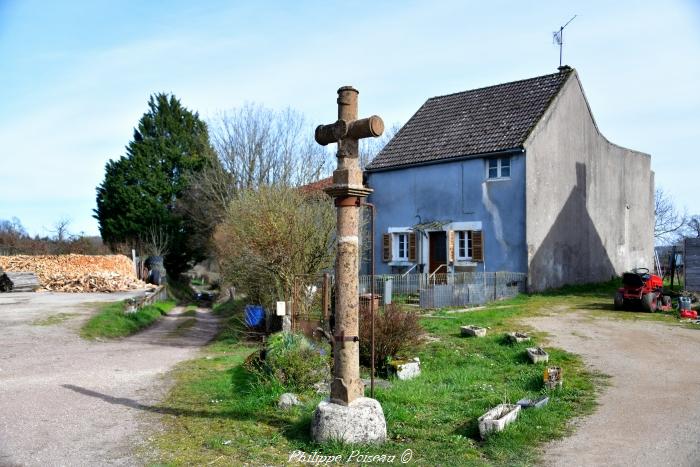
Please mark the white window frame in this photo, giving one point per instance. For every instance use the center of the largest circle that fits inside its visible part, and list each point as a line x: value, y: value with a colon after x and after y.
x: 399, y: 238
x: 463, y: 241
x: 501, y: 163
x: 395, y: 231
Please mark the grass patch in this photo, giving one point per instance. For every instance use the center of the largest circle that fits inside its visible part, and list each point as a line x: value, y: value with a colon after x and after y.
x: 219, y: 411
x: 191, y: 310
x: 112, y: 322
x: 58, y: 318
x: 232, y: 326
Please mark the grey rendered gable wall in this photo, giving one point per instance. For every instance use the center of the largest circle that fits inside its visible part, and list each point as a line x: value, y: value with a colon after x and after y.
x: 589, y: 203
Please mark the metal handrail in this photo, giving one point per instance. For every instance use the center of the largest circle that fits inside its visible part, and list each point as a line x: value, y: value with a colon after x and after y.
x: 435, y: 272
x: 406, y: 273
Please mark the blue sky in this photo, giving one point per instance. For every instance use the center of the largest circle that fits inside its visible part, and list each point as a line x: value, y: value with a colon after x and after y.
x: 75, y: 76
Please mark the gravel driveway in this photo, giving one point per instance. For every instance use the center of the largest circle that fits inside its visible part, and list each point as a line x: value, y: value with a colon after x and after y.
x: 650, y: 413
x: 67, y: 401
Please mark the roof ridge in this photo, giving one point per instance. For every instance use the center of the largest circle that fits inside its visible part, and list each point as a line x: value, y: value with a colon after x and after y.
x: 565, y: 72
x: 477, y: 121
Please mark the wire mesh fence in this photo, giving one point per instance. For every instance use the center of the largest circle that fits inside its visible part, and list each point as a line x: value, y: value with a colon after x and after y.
x: 312, y: 298
x: 450, y: 289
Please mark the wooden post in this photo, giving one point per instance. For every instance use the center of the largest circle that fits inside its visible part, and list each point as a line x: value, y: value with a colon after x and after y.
x: 326, y: 301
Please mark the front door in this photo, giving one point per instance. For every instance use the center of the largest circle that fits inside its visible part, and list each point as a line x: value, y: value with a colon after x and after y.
x: 438, y: 250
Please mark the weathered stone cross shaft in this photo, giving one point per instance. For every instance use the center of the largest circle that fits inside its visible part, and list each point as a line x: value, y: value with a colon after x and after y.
x: 348, y: 191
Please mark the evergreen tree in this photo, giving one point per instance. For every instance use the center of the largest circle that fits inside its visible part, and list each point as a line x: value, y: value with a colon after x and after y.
x: 138, y: 198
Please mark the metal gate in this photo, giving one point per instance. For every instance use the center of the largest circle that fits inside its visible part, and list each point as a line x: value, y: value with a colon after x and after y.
x: 311, y: 303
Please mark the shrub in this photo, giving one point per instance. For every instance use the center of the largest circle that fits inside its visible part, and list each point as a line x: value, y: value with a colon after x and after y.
x: 396, y: 332
x: 296, y: 362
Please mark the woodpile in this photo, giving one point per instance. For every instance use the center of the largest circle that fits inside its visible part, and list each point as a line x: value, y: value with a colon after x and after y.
x: 77, y: 273
x: 18, y: 282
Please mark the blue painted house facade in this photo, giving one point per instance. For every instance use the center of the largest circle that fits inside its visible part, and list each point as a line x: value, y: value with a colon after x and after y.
x: 514, y: 177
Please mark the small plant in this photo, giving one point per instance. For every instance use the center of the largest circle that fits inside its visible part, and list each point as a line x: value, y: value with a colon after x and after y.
x: 396, y: 332
x: 295, y: 362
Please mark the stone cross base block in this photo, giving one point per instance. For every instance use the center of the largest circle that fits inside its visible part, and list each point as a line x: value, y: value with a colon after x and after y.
x: 362, y: 421
x: 537, y: 355
x: 473, y: 331
x: 497, y: 418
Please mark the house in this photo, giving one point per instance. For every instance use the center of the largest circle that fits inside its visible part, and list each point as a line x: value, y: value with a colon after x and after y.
x: 514, y: 177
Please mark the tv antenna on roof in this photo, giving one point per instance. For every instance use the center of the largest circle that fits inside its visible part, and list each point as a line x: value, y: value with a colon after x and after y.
x: 558, y: 37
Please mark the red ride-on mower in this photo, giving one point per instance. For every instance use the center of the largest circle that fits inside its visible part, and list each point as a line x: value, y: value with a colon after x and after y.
x: 641, y: 288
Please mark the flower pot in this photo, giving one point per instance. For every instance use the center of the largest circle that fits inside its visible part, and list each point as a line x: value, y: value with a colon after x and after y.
x: 533, y: 403
x: 553, y: 377
x: 517, y: 337
x: 498, y: 418
x: 537, y: 355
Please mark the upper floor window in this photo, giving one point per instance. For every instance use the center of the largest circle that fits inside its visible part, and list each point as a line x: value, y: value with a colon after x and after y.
x: 499, y: 168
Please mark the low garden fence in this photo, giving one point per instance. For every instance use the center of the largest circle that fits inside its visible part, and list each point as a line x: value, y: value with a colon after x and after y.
x: 450, y: 289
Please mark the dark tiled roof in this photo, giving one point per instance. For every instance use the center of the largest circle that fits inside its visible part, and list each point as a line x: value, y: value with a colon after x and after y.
x: 491, y: 119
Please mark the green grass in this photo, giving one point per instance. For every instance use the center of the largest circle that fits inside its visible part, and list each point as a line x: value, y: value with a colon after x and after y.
x: 191, y: 310
x: 112, y: 322
x: 58, y: 318
x: 219, y: 412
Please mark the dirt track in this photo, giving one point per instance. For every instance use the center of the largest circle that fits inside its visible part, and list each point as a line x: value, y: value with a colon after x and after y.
x: 650, y: 413
x: 66, y: 401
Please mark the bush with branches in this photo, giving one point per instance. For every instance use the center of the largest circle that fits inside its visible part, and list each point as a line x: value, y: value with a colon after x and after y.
x: 396, y: 333
x: 272, y: 234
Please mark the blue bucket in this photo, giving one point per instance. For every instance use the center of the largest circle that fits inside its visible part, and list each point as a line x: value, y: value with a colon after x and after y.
x: 254, y: 315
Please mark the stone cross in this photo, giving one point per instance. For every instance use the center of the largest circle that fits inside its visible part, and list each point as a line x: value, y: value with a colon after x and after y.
x: 348, y: 191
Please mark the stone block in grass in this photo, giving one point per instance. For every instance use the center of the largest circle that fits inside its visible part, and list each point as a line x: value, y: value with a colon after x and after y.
x: 405, y: 369
x: 473, y: 331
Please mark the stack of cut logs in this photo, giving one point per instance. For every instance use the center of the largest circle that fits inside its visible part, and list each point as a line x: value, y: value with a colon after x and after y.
x: 76, y: 273
x: 18, y: 281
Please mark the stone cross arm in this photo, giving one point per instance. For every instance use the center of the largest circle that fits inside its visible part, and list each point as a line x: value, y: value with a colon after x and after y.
x: 348, y: 129
x: 357, y: 129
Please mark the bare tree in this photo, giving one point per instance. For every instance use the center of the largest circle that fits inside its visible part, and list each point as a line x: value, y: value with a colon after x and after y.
x: 693, y: 227
x: 668, y: 223
x: 370, y: 147
x: 204, y: 203
x: 272, y: 234
x: 258, y: 147
x: 156, y: 242
x: 60, y: 229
